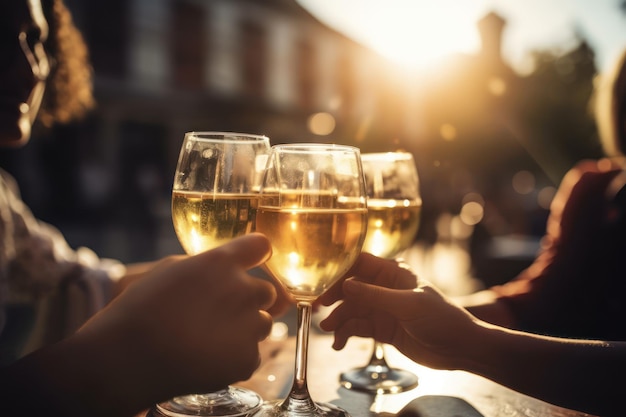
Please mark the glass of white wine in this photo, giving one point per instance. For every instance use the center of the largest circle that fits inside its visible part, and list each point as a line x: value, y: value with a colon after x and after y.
x: 214, y: 199
x: 313, y: 209
x: 394, y: 206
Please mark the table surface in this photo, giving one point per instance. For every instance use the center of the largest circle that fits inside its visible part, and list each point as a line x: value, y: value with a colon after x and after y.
x: 438, y: 393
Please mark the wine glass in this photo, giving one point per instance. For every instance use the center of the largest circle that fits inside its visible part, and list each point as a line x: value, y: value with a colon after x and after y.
x: 313, y: 209
x: 394, y: 206
x: 214, y: 200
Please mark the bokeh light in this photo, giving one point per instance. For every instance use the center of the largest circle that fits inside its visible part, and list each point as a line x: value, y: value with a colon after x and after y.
x: 471, y: 213
x: 448, y: 131
x: 523, y: 182
x: 496, y: 86
x: 321, y: 123
x: 545, y: 196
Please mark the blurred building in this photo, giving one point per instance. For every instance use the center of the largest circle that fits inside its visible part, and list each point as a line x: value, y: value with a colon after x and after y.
x: 257, y: 66
x: 164, y: 67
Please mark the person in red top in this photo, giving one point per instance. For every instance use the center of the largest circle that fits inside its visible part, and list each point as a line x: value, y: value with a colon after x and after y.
x: 575, y: 286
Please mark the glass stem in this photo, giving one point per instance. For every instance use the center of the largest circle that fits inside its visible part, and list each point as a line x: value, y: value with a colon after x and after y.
x: 378, y: 356
x: 299, y: 397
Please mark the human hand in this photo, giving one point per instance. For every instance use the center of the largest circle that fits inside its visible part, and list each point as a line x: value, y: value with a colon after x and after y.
x: 284, y: 300
x: 421, y: 322
x: 192, y: 324
x: 389, y: 273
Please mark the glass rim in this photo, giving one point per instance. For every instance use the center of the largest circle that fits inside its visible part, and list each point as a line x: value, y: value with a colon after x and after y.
x: 387, y: 156
x: 222, y: 136
x: 315, y: 147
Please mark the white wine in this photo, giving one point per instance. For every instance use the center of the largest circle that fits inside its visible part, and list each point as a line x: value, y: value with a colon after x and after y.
x: 391, y: 226
x: 203, y: 221
x: 312, y: 248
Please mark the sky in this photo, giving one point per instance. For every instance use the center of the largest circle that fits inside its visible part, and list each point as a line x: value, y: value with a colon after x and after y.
x: 416, y: 33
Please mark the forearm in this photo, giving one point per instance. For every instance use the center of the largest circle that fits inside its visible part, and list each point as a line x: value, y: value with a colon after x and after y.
x: 76, y: 377
x: 582, y: 375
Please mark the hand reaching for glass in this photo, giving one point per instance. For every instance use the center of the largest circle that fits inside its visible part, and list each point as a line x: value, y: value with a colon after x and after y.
x: 383, y: 302
x: 211, y: 291
x: 191, y: 324
x: 431, y: 329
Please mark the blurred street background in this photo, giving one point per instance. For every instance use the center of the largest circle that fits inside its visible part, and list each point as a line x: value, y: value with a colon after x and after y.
x: 493, y: 102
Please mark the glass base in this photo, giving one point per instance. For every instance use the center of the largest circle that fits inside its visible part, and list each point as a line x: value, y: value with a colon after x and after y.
x: 230, y: 402
x: 378, y: 379
x: 304, y: 408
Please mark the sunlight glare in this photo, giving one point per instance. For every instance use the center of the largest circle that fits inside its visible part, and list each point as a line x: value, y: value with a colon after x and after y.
x: 413, y: 33
x: 425, y: 35
x: 294, y: 270
x: 196, y: 241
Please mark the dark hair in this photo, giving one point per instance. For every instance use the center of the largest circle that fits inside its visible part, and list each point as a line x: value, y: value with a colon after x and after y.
x: 69, y: 87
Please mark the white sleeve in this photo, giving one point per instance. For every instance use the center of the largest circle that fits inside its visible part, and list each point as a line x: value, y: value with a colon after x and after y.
x: 38, y: 268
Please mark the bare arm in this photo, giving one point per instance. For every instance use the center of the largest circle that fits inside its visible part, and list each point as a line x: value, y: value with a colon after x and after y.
x: 431, y: 329
x: 579, y: 374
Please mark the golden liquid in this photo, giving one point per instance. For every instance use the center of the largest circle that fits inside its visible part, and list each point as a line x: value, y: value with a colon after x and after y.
x: 312, y: 248
x: 310, y: 199
x: 391, y: 226
x: 203, y: 221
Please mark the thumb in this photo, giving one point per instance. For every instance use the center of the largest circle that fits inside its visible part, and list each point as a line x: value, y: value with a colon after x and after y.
x: 248, y: 251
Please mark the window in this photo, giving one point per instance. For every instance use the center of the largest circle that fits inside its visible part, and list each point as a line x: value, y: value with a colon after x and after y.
x: 189, y: 45
x: 106, y: 33
x: 306, y: 71
x: 253, y: 58
x: 347, y: 87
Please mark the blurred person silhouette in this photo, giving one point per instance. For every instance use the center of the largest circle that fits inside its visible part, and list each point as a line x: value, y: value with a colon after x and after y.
x: 384, y: 300
x: 79, y: 333
x: 575, y: 285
